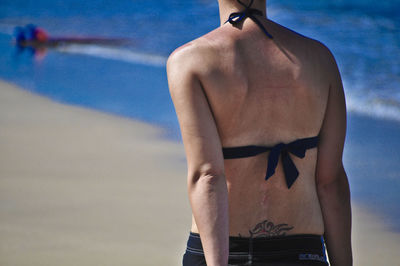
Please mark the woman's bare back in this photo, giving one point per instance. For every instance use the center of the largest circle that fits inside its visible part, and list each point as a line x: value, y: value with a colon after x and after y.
x: 262, y: 92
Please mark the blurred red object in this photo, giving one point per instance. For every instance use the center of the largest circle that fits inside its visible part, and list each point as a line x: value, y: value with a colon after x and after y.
x: 41, y: 35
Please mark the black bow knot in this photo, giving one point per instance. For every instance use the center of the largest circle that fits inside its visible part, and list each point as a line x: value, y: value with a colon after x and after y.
x: 282, y: 150
x: 236, y: 17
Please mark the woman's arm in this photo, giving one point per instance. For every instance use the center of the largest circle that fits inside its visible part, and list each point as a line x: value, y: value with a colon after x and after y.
x: 332, y: 184
x: 207, y: 187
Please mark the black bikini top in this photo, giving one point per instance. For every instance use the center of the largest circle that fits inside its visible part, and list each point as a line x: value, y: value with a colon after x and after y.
x: 297, y: 148
x: 248, y: 12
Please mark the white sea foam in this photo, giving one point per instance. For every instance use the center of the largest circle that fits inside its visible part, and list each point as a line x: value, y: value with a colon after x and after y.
x: 101, y: 51
x: 374, y: 103
x: 373, y: 106
x: 115, y: 53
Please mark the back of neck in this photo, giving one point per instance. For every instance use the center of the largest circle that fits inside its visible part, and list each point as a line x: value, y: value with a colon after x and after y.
x: 226, y: 7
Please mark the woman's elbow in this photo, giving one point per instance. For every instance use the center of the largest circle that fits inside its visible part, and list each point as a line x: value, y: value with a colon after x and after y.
x: 337, y: 186
x: 205, y: 174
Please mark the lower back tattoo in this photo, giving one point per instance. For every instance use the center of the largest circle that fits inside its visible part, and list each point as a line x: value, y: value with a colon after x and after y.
x: 268, y: 229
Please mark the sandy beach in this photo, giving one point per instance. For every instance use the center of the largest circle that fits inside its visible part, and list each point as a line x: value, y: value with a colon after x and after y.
x: 81, y: 187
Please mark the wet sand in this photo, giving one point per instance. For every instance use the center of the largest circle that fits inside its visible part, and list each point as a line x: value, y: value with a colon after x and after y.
x: 80, y: 187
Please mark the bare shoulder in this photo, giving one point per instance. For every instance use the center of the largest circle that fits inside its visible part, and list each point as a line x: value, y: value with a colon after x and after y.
x: 196, y: 56
x: 182, y: 55
x: 325, y: 60
x: 317, y: 49
x: 324, y: 54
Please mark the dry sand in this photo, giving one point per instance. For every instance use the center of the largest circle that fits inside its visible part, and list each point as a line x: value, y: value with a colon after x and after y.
x: 80, y: 187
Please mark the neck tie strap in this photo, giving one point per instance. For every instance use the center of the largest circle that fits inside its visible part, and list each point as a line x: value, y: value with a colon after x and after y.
x: 237, y: 17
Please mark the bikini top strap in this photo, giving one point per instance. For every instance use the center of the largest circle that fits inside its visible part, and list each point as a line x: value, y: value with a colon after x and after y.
x: 237, y: 17
x: 281, y: 150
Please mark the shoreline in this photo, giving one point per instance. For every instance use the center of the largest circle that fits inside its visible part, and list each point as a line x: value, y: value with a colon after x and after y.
x: 82, y: 187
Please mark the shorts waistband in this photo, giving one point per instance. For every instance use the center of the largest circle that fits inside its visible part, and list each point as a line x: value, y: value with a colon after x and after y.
x: 301, y: 246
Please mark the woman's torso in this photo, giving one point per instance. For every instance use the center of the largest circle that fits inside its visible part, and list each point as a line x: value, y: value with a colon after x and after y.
x: 262, y: 92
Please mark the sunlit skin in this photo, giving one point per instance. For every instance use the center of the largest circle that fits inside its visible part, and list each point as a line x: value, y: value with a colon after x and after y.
x: 234, y: 86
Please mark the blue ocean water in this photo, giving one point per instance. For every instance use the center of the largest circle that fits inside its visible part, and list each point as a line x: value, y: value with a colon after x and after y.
x: 131, y: 81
